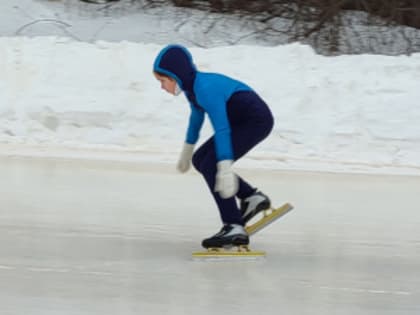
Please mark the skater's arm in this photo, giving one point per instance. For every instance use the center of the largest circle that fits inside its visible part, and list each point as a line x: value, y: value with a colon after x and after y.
x: 193, y: 132
x: 216, y: 110
x: 195, y: 123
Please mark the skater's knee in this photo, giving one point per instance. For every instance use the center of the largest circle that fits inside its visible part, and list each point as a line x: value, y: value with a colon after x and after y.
x: 270, y: 125
x: 205, y: 164
x: 196, y: 161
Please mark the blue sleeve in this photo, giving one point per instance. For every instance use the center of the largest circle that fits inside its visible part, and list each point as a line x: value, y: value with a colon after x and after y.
x: 195, y: 124
x: 212, y: 92
x: 215, y: 107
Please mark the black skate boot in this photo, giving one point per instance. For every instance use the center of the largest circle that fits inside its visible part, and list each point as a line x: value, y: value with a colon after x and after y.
x: 230, y: 235
x: 253, y: 204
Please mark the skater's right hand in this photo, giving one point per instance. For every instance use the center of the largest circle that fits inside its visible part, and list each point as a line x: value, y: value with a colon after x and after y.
x: 184, y: 162
x: 227, y: 183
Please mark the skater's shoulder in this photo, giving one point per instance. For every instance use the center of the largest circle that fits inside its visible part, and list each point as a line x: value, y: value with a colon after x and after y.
x: 212, y: 87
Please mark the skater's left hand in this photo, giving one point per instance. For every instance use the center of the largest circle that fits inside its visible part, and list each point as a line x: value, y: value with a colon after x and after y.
x: 184, y: 162
x: 226, y: 181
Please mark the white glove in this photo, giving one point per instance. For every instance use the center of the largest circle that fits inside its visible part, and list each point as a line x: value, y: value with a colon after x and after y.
x: 184, y: 161
x: 226, y: 181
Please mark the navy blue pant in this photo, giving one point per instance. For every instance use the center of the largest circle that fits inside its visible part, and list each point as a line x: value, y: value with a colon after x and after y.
x: 250, y: 121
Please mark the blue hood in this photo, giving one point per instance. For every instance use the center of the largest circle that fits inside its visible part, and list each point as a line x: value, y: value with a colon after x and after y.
x: 176, y: 62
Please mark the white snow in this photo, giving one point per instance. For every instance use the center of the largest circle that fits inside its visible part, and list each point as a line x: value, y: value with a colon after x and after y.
x: 126, y: 20
x: 71, y: 95
x: 350, y: 113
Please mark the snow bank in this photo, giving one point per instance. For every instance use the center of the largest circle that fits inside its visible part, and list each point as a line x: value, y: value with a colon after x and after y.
x: 347, y: 114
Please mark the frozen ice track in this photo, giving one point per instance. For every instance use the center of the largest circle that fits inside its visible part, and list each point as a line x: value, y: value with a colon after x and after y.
x: 102, y: 238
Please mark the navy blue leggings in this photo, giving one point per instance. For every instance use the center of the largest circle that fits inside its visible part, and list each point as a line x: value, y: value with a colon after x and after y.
x: 250, y: 121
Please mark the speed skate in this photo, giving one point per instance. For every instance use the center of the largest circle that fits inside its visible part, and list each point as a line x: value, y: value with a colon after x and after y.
x: 244, y: 251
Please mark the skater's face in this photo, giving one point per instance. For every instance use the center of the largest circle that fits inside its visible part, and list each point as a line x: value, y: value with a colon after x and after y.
x: 166, y: 83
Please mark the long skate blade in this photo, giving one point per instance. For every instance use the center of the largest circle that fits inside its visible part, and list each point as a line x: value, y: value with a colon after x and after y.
x: 233, y: 253
x: 267, y: 219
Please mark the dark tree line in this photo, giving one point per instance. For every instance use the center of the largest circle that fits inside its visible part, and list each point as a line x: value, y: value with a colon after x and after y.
x: 402, y: 12
x: 331, y: 26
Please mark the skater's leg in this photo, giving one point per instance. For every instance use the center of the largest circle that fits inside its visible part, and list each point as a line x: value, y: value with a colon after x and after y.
x: 207, y: 148
x: 251, y: 122
x: 204, y: 160
x: 232, y: 232
x: 244, y: 190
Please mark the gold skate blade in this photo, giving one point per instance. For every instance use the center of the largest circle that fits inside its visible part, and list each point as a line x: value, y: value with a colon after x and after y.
x: 234, y: 252
x: 268, y: 218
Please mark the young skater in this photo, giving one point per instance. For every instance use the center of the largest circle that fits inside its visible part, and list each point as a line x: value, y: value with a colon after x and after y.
x: 240, y: 119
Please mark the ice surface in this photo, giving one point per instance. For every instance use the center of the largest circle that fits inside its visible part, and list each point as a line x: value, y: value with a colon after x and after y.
x: 106, y: 238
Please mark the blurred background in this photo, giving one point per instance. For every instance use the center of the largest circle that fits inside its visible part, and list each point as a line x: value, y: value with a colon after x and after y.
x: 331, y: 27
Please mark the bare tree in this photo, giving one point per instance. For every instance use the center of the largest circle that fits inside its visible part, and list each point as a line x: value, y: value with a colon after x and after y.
x: 330, y: 26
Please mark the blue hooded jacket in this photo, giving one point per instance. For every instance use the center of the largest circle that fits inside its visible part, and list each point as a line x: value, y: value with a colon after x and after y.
x: 206, y: 92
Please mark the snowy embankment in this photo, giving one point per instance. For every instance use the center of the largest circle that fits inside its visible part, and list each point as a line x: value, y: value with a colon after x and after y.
x: 59, y: 97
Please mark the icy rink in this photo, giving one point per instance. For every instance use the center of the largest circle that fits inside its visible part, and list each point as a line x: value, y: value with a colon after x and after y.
x: 105, y: 238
